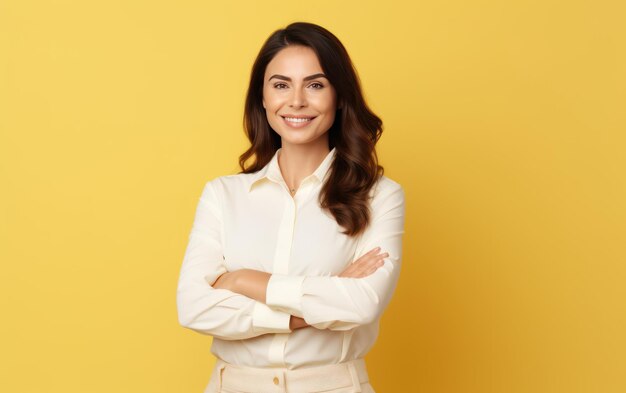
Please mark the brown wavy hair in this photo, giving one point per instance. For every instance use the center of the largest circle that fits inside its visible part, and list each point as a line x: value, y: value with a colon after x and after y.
x: 354, y: 133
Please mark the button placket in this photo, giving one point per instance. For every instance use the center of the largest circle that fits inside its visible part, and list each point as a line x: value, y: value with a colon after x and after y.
x: 281, y: 266
x: 285, y: 237
x: 303, y: 192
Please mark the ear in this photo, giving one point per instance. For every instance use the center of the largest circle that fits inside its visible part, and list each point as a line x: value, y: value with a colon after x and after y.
x: 263, y: 101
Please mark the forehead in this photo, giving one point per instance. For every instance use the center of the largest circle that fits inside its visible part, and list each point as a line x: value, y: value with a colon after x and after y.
x: 294, y: 60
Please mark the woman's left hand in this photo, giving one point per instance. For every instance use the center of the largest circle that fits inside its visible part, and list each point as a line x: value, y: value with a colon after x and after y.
x: 365, y: 265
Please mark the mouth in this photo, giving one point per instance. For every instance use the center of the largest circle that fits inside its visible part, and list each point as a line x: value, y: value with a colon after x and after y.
x: 298, y: 121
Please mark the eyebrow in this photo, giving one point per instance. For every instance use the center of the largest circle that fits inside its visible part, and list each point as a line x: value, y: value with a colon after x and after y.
x: 308, y: 78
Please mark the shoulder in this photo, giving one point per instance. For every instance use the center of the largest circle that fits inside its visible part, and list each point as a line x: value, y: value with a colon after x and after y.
x: 219, y: 187
x: 387, y: 194
x: 385, y: 187
x: 234, y: 181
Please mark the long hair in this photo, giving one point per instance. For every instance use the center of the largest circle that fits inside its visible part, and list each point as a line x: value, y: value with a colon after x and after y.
x: 354, y: 133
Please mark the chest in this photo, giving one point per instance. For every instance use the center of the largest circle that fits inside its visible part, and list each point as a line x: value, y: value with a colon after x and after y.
x: 273, y: 232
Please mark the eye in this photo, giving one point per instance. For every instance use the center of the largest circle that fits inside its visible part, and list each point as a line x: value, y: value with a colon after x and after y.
x: 319, y: 85
x: 276, y: 85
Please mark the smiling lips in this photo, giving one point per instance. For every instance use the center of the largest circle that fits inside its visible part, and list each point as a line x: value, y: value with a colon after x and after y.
x: 297, y: 121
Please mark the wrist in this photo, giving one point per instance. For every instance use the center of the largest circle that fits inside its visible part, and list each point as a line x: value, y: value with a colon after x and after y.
x: 228, y: 280
x: 297, y: 323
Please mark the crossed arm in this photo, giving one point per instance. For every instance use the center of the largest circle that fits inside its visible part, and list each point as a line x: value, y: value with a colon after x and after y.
x: 246, y: 303
x: 253, y: 283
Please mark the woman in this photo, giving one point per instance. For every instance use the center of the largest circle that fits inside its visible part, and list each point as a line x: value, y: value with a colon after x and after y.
x: 291, y: 262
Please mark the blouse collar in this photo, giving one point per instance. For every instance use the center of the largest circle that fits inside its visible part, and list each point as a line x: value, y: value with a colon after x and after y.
x: 271, y: 170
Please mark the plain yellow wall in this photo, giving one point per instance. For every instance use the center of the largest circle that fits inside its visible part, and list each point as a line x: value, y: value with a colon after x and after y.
x: 505, y: 122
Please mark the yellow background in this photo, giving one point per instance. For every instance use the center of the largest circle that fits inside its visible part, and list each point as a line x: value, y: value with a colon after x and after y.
x: 504, y: 121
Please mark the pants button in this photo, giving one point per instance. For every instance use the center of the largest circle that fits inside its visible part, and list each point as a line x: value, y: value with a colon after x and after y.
x: 276, y: 380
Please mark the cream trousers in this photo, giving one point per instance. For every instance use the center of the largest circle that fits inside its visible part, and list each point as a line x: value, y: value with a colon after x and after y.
x: 345, y: 377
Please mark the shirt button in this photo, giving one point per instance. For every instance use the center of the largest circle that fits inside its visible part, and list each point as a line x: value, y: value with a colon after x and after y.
x: 276, y: 380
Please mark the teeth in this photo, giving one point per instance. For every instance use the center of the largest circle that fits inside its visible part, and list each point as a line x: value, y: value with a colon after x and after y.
x: 295, y: 120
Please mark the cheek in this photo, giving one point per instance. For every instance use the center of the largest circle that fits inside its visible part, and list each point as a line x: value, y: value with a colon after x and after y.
x: 328, y: 103
x: 329, y: 98
x: 270, y: 101
x: 267, y: 98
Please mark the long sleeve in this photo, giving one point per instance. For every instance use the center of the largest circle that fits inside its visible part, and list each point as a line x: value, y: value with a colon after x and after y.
x: 217, y: 312
x: 340, y: 303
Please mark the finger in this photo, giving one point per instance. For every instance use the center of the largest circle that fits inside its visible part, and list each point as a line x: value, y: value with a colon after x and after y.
x: 371, y: 252
x: 364, y: 264
x: 375, y: 266
x: 369, y: 257
x: 374, y: 250
x: 374, y: 259
x: 374, y: 269
x: 367, y: 267
x: 376, y: 254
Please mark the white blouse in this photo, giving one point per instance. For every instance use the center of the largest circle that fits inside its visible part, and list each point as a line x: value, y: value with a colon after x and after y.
x: 252, y: 221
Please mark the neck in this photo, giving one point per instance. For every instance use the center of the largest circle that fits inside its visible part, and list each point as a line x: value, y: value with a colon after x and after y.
x: 296, y: 162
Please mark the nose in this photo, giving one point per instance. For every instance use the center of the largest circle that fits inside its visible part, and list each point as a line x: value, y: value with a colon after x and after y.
x: 297, y: 99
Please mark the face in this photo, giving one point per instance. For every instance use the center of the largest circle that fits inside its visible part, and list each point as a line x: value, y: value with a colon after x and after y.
x: 300, y: 103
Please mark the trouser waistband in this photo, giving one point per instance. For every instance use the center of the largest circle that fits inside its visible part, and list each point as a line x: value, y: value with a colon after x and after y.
x: 349, y: 374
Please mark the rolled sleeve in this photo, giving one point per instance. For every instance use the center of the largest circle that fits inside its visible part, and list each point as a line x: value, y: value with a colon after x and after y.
x: 284, y: 293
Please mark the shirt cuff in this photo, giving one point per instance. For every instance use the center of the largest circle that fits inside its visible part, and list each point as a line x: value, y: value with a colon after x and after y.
x: 284, y: 293
x: 266, y: 320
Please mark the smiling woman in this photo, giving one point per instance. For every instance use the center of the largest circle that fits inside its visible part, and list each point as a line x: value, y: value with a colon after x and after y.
x: 298, y: 96
x: 291, y: 262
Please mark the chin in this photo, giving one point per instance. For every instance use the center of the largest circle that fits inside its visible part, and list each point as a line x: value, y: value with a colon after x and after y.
x: 298, y: 140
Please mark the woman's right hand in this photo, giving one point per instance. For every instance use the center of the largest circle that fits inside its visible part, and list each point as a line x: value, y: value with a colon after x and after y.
x: 362, y: 267
x: 366, y: 265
